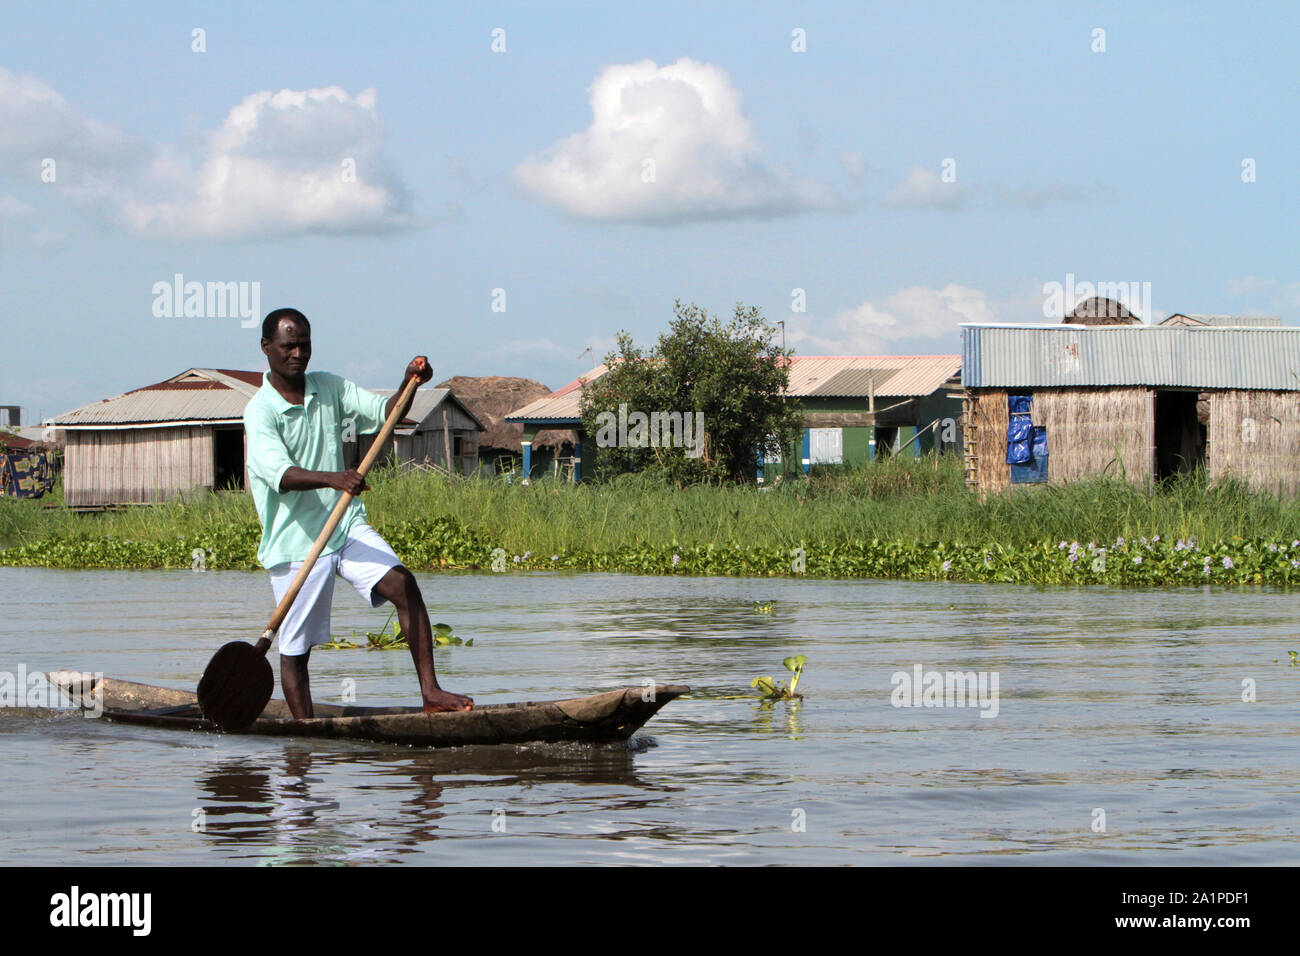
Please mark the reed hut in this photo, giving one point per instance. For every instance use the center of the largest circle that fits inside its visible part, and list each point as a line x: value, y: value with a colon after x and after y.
x: 490, y: 398
x: 1059, y: 403
x: 1101, y: 311
x: 152, y: 443
x: 187, y: 432
x: 438, y: 431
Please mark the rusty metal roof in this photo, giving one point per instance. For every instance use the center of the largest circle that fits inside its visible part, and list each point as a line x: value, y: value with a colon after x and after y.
x: 811, y: 376
x: 196, y: 396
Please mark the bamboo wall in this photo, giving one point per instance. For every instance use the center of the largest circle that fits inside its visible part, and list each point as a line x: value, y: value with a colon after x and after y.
x: 420, y: 446
x: 1085, y: 430
x: 1255, y: 436
x: 135, y: 465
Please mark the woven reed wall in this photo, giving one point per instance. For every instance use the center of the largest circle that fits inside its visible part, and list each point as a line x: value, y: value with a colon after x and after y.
x: 1255, y: 436
x: 136, y: 465
x: 1089, y: 431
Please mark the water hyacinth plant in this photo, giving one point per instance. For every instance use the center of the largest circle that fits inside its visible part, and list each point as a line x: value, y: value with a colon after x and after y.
x: 901, y: 518
x: 770, y: 690
x: 390, y: 638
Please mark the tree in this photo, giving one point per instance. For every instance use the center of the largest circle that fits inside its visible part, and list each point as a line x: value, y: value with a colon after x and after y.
x: 698, y: 406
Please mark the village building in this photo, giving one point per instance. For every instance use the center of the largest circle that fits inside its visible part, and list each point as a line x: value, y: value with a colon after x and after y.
x: 490, y: 398
x: 187, y: 432
x: 855, y: 408
x: 1056, y: 403
x: 438, y: 431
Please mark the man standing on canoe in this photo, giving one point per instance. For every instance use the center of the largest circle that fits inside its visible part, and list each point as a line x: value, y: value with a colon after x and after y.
x: 294, y: 426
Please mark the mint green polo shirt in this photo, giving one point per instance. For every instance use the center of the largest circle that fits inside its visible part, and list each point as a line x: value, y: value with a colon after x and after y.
x: 310, y: 436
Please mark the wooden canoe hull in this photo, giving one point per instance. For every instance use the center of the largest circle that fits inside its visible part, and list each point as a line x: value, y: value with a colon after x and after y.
x: 614, y: 715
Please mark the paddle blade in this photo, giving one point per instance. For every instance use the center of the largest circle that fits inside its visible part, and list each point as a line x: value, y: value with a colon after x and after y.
x: 236, y: 687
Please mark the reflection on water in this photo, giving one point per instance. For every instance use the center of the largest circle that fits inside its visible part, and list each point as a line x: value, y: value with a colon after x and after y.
x: 1127, y: 702
x: 286, y: 805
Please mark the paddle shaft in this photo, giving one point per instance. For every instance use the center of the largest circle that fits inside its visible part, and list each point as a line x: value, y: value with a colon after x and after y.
x: 335, y: 517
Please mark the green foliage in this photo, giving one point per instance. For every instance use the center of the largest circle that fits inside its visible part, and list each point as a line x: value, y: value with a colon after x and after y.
x: 770, y: 690
x: 795, y: 666
x: 442, y: 637
x: 733, y: 374
x: 386, y: 639
x: 901, y: 518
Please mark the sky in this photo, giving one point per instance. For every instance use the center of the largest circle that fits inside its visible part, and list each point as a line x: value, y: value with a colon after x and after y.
x: 504, y: 187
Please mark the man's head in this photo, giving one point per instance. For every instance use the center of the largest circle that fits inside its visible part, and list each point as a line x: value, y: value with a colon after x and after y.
x: 286, y: 342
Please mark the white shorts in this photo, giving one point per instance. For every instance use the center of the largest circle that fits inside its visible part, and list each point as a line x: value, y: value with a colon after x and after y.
x: 362, y: 561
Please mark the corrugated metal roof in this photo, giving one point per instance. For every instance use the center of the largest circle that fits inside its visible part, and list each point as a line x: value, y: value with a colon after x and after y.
x: 894, y: 376
x: 424, y: 404
x: 1001, y: 356
x: 202, y: 395
x: 1225, y: 321
x: 218, y: 397
x: 908, y: 375
x: 562, y: 405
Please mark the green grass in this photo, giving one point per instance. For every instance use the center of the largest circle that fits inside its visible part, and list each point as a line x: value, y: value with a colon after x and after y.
x: 899, y: 518
x: 916, y: 499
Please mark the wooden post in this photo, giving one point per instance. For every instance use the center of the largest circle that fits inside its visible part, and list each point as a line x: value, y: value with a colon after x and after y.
x: 446, y: 439
x: 872, y: 448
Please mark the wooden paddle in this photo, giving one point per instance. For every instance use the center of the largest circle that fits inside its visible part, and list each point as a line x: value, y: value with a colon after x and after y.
x: 237, y: 684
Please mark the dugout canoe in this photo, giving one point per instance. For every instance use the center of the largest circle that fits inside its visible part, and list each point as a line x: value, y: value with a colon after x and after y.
x: 614, y: 715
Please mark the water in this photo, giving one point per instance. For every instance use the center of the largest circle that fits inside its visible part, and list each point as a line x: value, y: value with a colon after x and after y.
x: 1124, y: 702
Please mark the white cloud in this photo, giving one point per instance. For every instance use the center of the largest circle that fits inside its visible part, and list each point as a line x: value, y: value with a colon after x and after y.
x: 36, y: 122
x: 11, y: 209
x: 275, y: 167
x: 913, y: 313
x: 680, y: 125
x: 1250, y: 285
x: 1036, y: 197
x: 855, y: 164
x: 923, y: 189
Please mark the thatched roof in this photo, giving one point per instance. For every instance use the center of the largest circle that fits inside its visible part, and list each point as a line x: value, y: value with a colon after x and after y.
x: 1099, y: 311
x: 490, y: 398
x: 554, y: 438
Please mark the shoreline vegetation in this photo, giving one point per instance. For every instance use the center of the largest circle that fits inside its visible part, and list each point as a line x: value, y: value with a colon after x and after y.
x: 904, y: 518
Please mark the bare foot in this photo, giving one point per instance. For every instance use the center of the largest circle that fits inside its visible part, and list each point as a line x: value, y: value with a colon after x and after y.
x: 440, y: 701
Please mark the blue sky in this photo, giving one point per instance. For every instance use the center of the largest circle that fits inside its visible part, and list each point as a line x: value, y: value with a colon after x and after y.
x: 774, y: 170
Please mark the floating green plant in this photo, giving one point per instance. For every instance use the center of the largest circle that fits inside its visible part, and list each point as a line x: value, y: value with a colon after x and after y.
x: 771, y: 690
x: 386, y: 640
x: 442, y: 637
x: 339, y: 643
x: 764, y: 607
x: 390, y: 638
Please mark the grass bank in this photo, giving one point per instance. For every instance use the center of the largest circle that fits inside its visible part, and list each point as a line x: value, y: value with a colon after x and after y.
x: 905, y: 518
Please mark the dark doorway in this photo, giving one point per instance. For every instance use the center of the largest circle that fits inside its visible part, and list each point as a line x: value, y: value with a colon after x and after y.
x: 1180, y: 437
x: 228, y: 453
x: 886, y: 439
